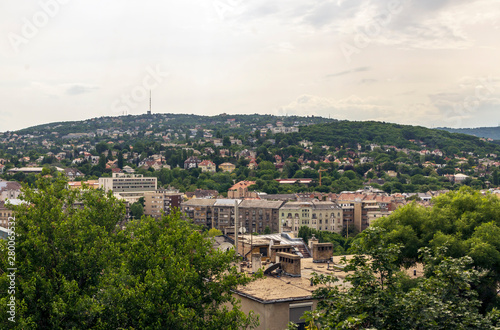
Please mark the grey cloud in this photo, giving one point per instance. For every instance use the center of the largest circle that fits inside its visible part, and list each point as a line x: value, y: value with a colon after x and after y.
x: 80, y: 89
x: 342, y: 73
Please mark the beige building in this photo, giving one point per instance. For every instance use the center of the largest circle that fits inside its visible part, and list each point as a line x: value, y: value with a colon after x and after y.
x: 130, y: 187
x: 9, y: 190
x: 327, y: 216
x: 240, y: 190
x: 161, y: 201
x: 199, y: 210
x: 280, y: 300
x: 207, y: 166
x: 255, y: 215
x: 227, y: 167
x: 5, y: 214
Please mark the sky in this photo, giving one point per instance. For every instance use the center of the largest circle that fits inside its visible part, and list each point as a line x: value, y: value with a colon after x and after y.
x: 433, y: 63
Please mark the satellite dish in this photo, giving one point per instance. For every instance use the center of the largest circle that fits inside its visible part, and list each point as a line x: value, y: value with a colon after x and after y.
x: 242, y: 230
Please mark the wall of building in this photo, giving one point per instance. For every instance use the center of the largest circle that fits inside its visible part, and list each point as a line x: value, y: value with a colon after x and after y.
x: 271, y: 316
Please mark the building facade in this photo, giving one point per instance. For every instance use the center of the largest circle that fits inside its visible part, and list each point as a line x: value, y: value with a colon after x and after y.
x: 327, y: 216
x: 257, y: 215
x: 161, y: 201
x: 121, y: 182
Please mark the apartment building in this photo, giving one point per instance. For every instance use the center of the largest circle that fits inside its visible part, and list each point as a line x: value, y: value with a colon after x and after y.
x: 223, y: 213
x: 9, y: 190
x: 256, y: 215
x: 240, y: 190
x: 130, y: 187
x: 161, y: 201
x: 199, y: 210
x: 122, y: 182
x: 314, y: 214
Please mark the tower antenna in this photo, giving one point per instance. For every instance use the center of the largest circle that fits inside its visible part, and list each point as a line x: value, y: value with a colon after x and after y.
x: 149, y: 111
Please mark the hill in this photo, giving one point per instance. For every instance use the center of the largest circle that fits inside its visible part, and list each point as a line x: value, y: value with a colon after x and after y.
x: 350, y: 133
x: 483, y: 132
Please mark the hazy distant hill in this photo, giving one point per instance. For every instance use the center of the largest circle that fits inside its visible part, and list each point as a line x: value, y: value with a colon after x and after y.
x: 322, y: 131
x: 484, y: 132
x: 351, y: 133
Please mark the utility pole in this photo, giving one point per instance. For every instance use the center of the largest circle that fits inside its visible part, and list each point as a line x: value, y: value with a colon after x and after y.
x: 236, y: 226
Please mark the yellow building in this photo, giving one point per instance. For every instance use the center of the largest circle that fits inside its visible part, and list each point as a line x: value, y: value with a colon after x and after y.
x: 227, y: 167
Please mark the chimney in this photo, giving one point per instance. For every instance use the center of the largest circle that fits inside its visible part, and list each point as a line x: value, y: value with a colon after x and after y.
x: 290, y: 264
x: 322, y: 252
x: 313, y: 240
x: 256, y: 262
x: 275, y: 249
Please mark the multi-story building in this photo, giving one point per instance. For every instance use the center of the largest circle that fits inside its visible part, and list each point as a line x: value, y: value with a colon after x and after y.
x: 191, y: 162
x: 207, y: 166
x: 240, y: 190
x: 161, y: 201
x: 256, y: 215
x: 318, y: 215
x: 5, y: 214
x: 9, y: 190
x: 359, y: 208
x: 227, y: 167
x: 199, y: 210
x: 121, y: 182
x: 130, y: 187
x: 223, y: 213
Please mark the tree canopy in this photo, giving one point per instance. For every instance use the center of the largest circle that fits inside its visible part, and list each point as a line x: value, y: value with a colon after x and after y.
x: 78, y: 267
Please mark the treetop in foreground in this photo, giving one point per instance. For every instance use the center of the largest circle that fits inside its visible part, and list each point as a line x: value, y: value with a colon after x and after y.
x: 78, y: 269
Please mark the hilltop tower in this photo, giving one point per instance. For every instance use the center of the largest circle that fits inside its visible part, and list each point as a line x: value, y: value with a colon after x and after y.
x: 149, y: 111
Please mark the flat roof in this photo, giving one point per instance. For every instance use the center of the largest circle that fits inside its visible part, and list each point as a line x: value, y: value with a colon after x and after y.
x: 272, y: 287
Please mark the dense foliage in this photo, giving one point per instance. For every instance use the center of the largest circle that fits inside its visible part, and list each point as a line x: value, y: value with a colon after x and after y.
x: 78, y: 268
x: 465, y: 222
x: 378, y: 295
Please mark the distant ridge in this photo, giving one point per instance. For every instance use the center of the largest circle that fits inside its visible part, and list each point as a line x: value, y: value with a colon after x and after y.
x: 482, y: 132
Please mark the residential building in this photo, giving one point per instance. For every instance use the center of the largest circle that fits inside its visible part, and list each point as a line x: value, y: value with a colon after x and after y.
x: 227, y: 167
x: 6, y: 213
x: 201, y: 193
x: 257, y: 215
x: 191, y: 162
x: 9, y: 190
x: 92, y: 184
x: 207, y: 166
x: 73, y: 173
x: 327, y: 216
x: 199, y: 210
x: 240, y: 190
x: 223, y: 213
x: 130, y: 187
x: 161, y: 201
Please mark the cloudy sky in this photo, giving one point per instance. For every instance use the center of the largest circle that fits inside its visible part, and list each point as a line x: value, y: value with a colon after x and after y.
x: 424, y: 62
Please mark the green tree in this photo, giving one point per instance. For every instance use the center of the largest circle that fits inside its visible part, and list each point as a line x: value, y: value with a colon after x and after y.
x: 214, y: 232
x: 137, y: 210
x: 120, y: 160
x: 380, y: 296
x: 78, y: 268
x: 463, y: 221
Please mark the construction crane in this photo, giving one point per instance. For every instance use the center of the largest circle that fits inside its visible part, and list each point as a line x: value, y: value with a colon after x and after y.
x: 319, y: 171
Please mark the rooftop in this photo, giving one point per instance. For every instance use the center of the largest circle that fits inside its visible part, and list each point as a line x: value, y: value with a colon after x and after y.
x: 274, y: 287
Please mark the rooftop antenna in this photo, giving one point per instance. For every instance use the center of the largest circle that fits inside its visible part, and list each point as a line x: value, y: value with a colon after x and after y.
x: 149, y: 111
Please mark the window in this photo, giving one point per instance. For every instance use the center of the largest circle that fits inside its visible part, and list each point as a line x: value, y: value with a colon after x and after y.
x: 296, y: 311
